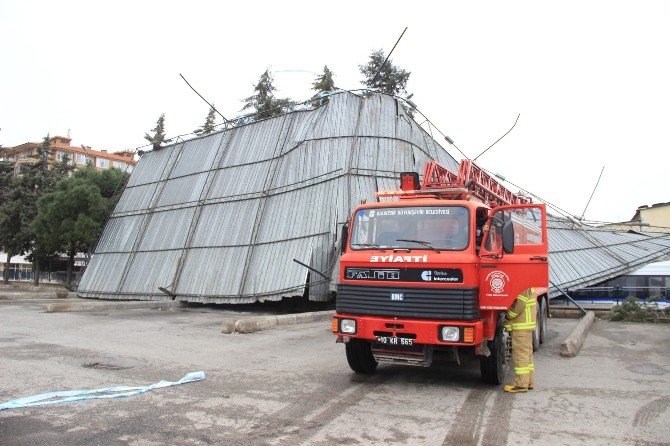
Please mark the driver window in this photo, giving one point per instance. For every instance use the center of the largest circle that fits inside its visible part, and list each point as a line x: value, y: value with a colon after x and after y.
x: 494, y: 239
x: 527, y: 225
x: 481, y: 218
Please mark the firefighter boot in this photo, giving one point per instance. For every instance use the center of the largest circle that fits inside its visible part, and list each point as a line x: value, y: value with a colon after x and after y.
x: 515, y: 389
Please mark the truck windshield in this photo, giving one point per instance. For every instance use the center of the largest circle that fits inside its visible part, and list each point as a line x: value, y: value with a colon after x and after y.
x: 424, y: 227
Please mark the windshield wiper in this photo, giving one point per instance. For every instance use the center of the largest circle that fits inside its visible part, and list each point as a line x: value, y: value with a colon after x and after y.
x: 368, y: 245
x: 420, y: 242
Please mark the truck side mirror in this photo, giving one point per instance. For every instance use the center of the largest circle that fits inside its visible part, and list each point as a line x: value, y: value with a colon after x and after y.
x: 343, y: 237
x: 508, y: 237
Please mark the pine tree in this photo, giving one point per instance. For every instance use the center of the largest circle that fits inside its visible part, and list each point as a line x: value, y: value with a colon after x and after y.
x: 18, y: 205
x: 264, y: 101
x: 158, y: 138
x: 391, y: 79
x: 40, y: 179
x: 40, y: 176
x: 324, y: 83
x: 15, y: 233
x: 208, y: 127
x: 70, y: 218
x: 6, y: 175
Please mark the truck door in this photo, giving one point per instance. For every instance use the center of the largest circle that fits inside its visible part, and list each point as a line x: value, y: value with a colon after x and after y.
x: 503, y: 275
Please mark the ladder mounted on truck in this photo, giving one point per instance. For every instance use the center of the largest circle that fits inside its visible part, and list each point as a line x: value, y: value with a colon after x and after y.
x: 471, y: 182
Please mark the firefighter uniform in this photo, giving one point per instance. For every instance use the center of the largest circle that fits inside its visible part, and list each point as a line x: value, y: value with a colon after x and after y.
x: 520, y: 321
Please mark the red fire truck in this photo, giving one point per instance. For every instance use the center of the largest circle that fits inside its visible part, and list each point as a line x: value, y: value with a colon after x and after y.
x: 429, y: 276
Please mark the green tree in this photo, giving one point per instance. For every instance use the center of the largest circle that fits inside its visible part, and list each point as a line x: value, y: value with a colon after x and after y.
x: 264, y: 102
x: 391, y: 79
x: 208, y: 127
x: 6, y: 175
x: 40, y: 179
x: 323, y: 83
x: 18, y: 206
x: 42, y: 176
x: 71, y: 218
x: 158, y: 137
x: 15, y: 234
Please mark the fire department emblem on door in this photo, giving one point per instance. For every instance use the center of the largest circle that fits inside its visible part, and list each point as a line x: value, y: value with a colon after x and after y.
x: 497, y: 280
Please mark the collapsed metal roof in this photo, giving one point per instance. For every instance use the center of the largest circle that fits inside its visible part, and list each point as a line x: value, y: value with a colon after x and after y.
x: 218, y: 219
x: 580, y: 255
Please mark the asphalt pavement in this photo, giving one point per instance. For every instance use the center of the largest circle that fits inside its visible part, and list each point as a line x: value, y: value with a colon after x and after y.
x: 292, y: 385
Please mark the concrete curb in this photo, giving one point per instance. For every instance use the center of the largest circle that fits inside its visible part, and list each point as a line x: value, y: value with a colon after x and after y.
x: 21, y: 294
x: 254, y: 324
x: 573, y: 343
x: 75, y: 307
x: 575, y: 313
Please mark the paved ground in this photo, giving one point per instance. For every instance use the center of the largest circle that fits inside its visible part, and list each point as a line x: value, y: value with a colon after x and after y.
x: 293, y: 386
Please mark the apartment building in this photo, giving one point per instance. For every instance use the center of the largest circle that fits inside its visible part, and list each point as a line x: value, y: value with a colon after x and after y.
x: 79, y: 157
x: 654, y: 218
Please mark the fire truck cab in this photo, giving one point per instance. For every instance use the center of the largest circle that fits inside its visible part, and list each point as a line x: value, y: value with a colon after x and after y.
x: 429, y: 276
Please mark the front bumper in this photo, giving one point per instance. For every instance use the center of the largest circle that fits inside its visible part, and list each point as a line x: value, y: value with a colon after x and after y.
x: 425, y: 332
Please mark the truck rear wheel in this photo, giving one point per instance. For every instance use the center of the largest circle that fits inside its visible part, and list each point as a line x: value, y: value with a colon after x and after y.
x: 494, y: 367
x: 544, y: 311
x: 359, y: 356
x: 540, y: 324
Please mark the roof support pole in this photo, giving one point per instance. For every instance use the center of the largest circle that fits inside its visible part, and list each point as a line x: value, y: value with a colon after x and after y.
x: 567, y: 296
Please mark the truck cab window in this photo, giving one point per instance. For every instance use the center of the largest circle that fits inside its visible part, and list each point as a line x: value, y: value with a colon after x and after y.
x: 436, y: 227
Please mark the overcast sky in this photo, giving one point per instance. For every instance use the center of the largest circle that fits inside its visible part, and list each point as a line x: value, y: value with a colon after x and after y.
x: 591, y: 80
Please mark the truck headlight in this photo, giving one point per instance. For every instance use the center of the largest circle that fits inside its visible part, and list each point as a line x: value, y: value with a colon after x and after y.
x: 450, y: 334
x: 348, y: 326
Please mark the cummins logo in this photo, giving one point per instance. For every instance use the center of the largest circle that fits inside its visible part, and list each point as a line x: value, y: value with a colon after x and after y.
x: 427, y: 276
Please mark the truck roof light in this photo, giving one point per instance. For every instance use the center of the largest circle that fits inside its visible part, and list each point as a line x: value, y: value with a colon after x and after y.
x: 409, y: 181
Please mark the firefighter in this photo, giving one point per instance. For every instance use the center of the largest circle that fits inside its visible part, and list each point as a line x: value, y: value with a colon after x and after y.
x: 520, y: 321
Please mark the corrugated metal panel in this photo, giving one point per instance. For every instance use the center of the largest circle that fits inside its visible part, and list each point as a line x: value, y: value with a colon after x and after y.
x: 102, y: 274
x: 148, y: 271
x: 182, y: 190
x: 208, y: 271
x: 167, y: 230
x: 197, y: 155
x: 152, y: 168
x: 226, y: 224
x: 219, y: 218
x: 119, y: 234
x: 136, y: 198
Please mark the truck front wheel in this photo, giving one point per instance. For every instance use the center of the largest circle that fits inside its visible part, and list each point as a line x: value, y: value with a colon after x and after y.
x: 494, y: 367
x: 359, y: 356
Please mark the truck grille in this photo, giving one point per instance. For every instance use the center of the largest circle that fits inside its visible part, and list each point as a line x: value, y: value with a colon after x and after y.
x: 420, y: 303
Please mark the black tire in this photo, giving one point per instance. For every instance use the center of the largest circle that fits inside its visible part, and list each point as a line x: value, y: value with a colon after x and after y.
x: 359, y: 356
x: 541, y: 325
x: 545, y: 317
x: 494, y: 368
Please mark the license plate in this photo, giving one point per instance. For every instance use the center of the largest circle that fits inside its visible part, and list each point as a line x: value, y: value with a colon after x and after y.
x: 392, y: 340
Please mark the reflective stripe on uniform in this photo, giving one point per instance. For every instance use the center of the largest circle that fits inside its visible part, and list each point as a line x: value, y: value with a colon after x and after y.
x: 531, y: 367
x: 521, y: 370
x: 524, y: 326
x: 511, y: 314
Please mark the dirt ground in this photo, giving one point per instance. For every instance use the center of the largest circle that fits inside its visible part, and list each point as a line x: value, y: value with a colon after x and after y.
x: 292, y: 386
